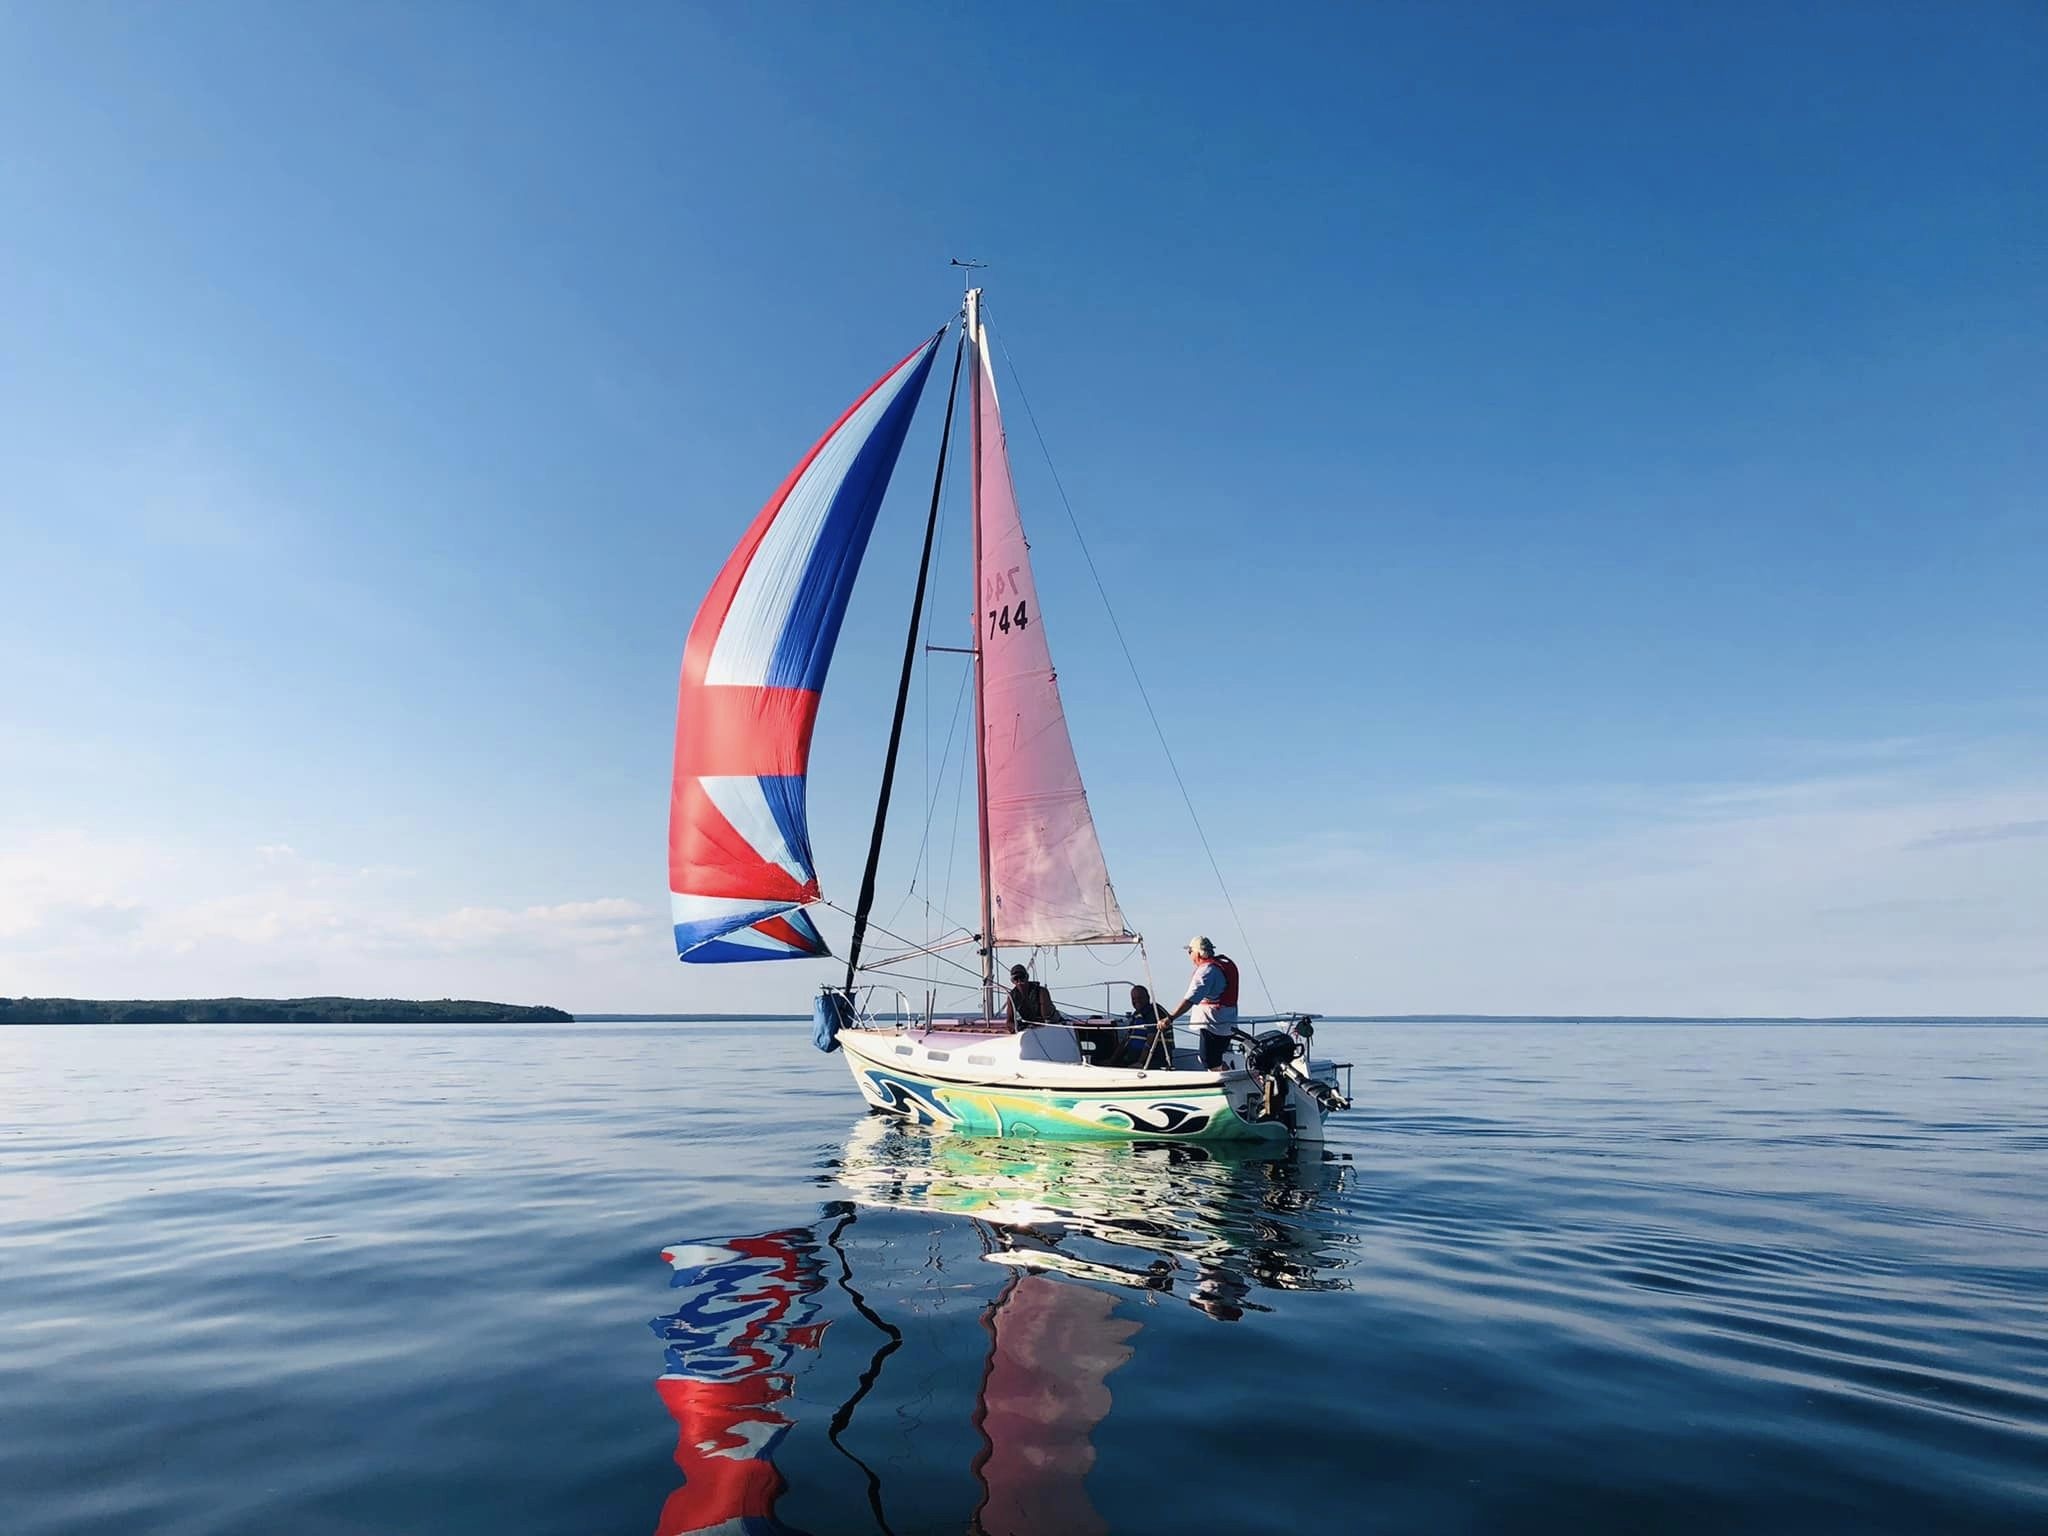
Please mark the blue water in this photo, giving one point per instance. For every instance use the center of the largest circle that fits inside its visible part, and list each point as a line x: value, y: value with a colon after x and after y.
x: 1594, y: 1278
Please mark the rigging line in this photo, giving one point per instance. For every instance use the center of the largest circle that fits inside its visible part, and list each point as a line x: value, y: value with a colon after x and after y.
x: 924, y: 723
x: 932, y: 800
x: 934, y: 790
x: 1131, y: 662
x: 924, y: 567
x: 871, y: 970
x: 955, y: 937
x: 953, y: 838
x: 875, y: 968
x: 893, y: 1341
x: 885, y: 933
x: 930, y: 792
x: 955, y: 933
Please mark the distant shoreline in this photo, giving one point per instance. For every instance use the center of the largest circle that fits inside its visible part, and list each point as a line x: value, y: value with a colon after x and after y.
x: 271, y: 1010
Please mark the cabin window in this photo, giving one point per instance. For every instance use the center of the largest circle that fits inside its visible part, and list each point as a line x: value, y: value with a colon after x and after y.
x: 938, y: 1055
x: 981, y: 1061
x: 902, y: 1050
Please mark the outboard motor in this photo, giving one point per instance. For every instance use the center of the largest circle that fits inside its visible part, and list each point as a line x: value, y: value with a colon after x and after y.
x: 1278, y: 1056
x: 1270, y: 1051
x: 1268, y: 1054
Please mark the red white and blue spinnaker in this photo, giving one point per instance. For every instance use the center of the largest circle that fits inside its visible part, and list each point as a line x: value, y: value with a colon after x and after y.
x: 739, y: 846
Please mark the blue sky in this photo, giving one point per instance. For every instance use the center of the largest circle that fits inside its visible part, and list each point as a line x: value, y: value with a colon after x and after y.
x: 1572, y: 478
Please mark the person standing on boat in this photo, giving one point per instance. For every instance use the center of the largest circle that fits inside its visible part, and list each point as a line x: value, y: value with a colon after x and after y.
x: 1211, y: 1001
x: 1030, y: 1001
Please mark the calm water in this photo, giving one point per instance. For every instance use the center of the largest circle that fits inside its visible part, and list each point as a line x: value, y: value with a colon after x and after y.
x: 1595, y: 1278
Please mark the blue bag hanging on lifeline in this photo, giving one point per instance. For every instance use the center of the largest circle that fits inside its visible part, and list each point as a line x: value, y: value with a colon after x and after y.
x: 832, y: 1012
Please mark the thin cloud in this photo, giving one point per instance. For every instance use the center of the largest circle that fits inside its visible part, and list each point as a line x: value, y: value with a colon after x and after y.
x: 78, y: 911
x: 1995, y: 832
x: 610, y: 920
x: 1799, y: 897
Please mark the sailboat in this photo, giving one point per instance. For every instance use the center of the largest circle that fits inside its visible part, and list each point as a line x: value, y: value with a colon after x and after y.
x: 741, y: 870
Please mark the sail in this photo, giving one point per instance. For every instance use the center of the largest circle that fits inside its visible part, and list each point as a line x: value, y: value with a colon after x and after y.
x: 1047, y: 878
x: 739, y: 844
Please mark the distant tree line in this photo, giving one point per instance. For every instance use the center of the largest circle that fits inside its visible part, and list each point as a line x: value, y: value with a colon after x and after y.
x: 271, y: 1010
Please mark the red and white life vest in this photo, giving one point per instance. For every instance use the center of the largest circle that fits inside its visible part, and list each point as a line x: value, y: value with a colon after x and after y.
x: 1228, y: 967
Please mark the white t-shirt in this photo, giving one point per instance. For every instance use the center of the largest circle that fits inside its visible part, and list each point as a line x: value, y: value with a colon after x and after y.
x: 1204, y: 989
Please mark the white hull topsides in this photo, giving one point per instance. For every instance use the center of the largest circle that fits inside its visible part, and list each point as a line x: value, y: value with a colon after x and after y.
x: 980, y: 1078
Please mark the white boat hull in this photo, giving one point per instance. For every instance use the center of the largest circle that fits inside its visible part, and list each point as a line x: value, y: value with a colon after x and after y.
x: 1035, y: 1084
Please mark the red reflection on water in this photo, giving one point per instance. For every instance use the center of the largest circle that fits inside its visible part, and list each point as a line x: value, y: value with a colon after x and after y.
x: 744, y: 1315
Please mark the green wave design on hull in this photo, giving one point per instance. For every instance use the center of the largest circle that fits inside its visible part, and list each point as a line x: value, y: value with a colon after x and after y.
x: 1202, y: 1115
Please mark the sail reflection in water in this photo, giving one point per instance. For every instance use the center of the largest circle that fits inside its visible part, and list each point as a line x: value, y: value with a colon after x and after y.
x: 978, y: 1297
x: 1051, y: 1349
x: 733, y: 1345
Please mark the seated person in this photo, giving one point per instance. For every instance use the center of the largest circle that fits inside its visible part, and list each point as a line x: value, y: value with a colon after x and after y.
x: 1102, y: 1046
x: 1145, y: 1043
x: 1030, y: 1002
x: 1122, y: 1042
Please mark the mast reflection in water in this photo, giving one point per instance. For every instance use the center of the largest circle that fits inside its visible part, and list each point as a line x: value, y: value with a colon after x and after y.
x: 977, y: 1297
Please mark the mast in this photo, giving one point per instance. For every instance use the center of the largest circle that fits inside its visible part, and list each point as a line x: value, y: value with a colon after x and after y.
x: 988, y: 913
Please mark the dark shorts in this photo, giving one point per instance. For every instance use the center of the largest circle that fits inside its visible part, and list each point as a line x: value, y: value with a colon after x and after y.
x: 1213, y: 1048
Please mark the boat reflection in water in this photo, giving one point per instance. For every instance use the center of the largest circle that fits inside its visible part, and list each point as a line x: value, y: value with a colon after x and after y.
x: 978, y: 1296
x: 1209, y: 1224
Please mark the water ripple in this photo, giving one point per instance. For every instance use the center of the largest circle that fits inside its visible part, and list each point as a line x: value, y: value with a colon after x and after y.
x: 1585, y: 1279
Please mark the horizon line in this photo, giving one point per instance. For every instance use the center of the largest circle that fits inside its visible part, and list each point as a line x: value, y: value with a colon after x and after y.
x: 1443, y: 1018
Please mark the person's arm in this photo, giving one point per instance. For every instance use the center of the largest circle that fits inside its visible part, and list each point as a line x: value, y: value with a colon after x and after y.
x: 1200, y: 990
x: 1161, y: 1029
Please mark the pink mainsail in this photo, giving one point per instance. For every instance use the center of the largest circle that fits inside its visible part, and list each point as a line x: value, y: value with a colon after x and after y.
x: 1047, y: 878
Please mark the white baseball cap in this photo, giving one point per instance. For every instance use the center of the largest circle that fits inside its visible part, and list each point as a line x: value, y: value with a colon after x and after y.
x: 1200, y: 945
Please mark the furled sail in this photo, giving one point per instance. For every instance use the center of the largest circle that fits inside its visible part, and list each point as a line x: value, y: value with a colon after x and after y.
x: 739, y: 845
x: 1048, y: 881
